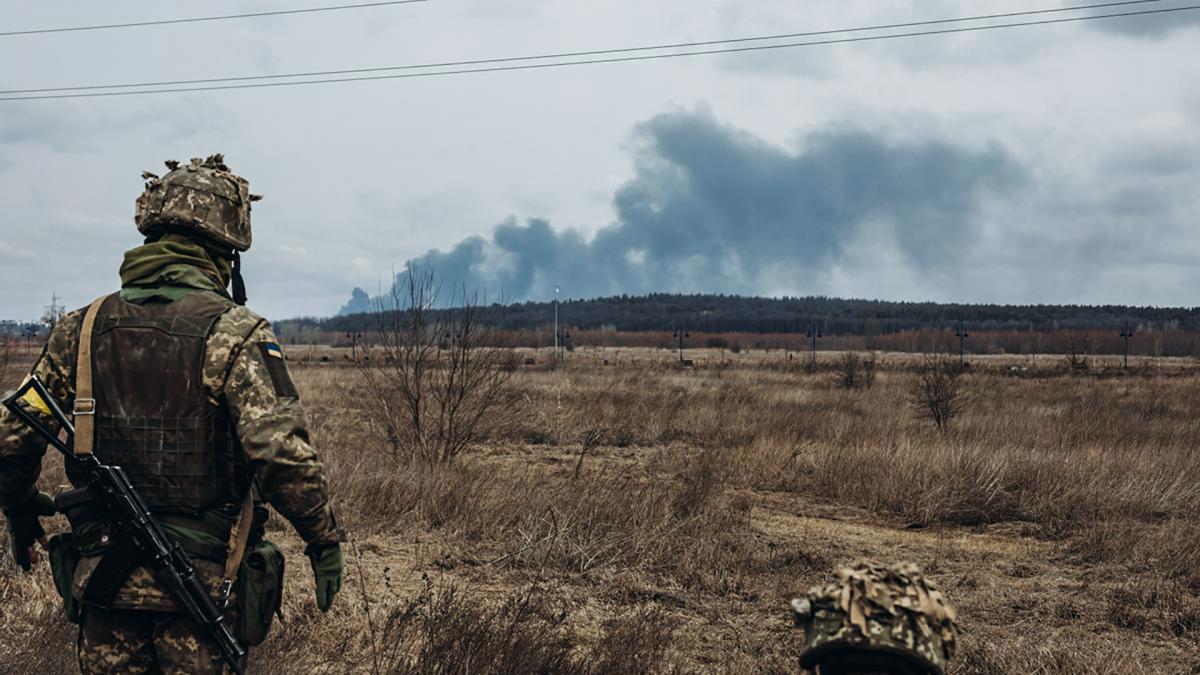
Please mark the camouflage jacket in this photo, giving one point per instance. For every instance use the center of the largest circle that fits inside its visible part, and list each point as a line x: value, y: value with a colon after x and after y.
x: 270, y: 425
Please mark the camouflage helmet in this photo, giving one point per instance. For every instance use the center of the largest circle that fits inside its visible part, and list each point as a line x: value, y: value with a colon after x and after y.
x: 885, y: 612
x: 203, y: 196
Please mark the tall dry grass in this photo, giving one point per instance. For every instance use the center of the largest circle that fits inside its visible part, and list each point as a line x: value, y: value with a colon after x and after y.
x: 643, y: 517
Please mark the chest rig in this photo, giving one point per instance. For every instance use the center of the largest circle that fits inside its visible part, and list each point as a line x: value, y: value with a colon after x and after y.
x: 152, y: 415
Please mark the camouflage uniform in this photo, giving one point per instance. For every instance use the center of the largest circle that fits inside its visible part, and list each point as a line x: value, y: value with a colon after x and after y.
x: 143, y: 630
x: 876, y: 619
x: 141, y: 641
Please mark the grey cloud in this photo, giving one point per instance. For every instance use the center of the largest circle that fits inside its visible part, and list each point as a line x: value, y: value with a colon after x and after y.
x: 1148, y: 26
x: 1157, y: 157
x: 715, y: 208
x: 63, y: 127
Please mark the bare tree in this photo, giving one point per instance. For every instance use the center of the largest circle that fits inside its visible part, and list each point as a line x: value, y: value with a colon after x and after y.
x: 937, y: 391
x: 437, y: 379
x: 8, y: 352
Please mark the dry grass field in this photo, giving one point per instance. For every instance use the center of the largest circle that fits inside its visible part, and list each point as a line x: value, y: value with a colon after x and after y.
x: 641, y: 517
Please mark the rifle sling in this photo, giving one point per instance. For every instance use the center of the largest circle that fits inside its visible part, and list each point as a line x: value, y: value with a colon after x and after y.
x: 239, y: 537
x: 114, y: 569
x: 85, y: 402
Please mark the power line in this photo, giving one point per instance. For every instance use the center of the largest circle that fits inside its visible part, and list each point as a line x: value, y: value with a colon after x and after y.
x: 621, y: 59
x: 163, y: 22
x: 574, y: 54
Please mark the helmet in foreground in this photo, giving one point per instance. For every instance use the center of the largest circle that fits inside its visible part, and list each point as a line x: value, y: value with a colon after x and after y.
x: 202, y: 196
x: 875, y: 618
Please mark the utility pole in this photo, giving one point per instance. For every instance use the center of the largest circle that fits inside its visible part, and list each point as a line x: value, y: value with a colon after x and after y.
x: 54, y: 312
x: 1127, y: 332
x: 556, y: 324
x: 962, y: 335
x: 679, y: 335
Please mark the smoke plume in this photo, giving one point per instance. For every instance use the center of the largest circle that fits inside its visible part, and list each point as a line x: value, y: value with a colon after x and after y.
x: 713, y: 208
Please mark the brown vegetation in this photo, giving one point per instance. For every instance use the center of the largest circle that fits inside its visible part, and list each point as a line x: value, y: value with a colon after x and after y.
x: 8, y: 354
x: 641, y: 517
x: 937, y: 391
x: 436, y: 383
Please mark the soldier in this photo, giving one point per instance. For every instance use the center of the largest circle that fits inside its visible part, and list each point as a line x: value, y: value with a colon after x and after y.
x: 192, y: 397
x: 876, y: 620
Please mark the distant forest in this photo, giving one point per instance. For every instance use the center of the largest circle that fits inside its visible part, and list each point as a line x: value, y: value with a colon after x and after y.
x: 832, y: 316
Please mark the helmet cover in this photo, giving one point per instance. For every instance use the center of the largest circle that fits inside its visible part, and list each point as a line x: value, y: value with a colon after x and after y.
x: 203, y: 196
x: 878, y: 609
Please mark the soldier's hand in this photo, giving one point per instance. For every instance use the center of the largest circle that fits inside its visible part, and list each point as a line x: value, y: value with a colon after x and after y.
x: 327, y: 564
x: 25, y: 528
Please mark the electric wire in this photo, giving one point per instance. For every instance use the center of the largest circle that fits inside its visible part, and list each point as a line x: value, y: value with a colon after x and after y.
x: 163, y: 22
x: 620, y: 59
x: 573, y: 54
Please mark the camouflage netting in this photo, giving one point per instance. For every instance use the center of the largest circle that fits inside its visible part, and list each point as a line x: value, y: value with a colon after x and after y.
x: 887, y: 610
x: 204, y: 196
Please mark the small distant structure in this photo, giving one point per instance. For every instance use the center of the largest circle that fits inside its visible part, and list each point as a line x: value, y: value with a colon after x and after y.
x: 1127, y: 333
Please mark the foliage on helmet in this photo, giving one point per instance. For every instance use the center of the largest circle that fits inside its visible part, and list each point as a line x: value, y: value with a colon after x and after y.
x: 203, y: 196
x: 880, y: 609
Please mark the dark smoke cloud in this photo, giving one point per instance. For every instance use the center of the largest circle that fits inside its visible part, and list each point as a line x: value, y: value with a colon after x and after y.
x: 712, y: 208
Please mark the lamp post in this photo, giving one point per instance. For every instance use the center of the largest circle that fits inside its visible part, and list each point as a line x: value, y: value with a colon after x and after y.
x: 813, y: 333
x: 562, y: 338
x: 353, y: 337
x: 679, y: 334
x: 1127, y: 333
x: 962, y: 334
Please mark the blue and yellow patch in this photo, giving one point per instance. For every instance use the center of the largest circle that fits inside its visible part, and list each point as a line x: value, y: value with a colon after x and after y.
x: 276, y: 364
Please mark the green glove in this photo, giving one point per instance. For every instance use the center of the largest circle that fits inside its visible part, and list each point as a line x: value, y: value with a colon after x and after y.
x: 24, y: 528
x: 327, y: 564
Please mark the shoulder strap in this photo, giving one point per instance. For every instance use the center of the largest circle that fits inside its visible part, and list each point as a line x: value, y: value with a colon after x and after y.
x: 85, y: 403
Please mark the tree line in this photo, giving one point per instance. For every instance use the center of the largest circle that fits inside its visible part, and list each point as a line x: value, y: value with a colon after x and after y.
x: 715, y: 314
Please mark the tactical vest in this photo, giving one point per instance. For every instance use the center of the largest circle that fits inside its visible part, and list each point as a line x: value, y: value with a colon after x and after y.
x: 153, y: 416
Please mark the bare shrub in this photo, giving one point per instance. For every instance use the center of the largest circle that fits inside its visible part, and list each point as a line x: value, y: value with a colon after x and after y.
x: 854, y: 371
x: 590, y: 439
x: 937, y: 391
x: 634, y: 643
x: 1076, y: 350
x: 442, y: 631
x: 870, y: 367
x: 701, y: 480
x: 439, y: 382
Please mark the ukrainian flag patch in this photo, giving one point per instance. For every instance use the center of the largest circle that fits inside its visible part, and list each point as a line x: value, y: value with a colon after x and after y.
x: 272, y: 356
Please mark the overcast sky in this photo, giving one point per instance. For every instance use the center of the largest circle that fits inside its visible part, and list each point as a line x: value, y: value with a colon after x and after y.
x: 1047, y: 164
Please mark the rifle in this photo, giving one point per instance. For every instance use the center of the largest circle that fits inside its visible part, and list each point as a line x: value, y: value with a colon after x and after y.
x: 129, y: 515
